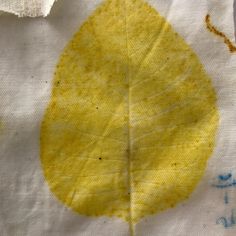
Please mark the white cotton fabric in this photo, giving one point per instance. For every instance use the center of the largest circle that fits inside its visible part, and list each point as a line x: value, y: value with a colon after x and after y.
x: 30, y: 8
x: 29, y: 51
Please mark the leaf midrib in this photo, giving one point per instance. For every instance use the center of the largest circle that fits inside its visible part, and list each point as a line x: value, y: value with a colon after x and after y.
x: 129, y: 150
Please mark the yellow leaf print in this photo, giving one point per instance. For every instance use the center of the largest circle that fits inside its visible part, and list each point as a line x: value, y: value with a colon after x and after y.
x: 132, y: 117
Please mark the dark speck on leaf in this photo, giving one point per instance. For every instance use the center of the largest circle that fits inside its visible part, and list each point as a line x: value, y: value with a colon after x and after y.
x: 97, y: 108
x: 100, y: 158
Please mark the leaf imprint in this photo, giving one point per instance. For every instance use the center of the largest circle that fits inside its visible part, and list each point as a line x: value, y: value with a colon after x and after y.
x: 132, y: 117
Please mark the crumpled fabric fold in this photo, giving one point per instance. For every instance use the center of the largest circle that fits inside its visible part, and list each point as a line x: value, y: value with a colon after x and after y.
x: 31, y: 8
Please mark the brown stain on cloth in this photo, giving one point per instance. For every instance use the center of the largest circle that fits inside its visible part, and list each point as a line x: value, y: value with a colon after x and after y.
x: 213, y: 29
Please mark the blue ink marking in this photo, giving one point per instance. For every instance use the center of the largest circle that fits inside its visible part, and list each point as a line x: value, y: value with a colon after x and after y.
x: 225, y: 181
x: 227, y: 223
x: 226, y: 198
x: 232, y: 218
x: 225, y: 185
x: 225, y: 177
x: 222, y: 220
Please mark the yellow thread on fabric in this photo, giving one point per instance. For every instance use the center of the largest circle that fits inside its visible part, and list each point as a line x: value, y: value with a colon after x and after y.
x: 132, y: 117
